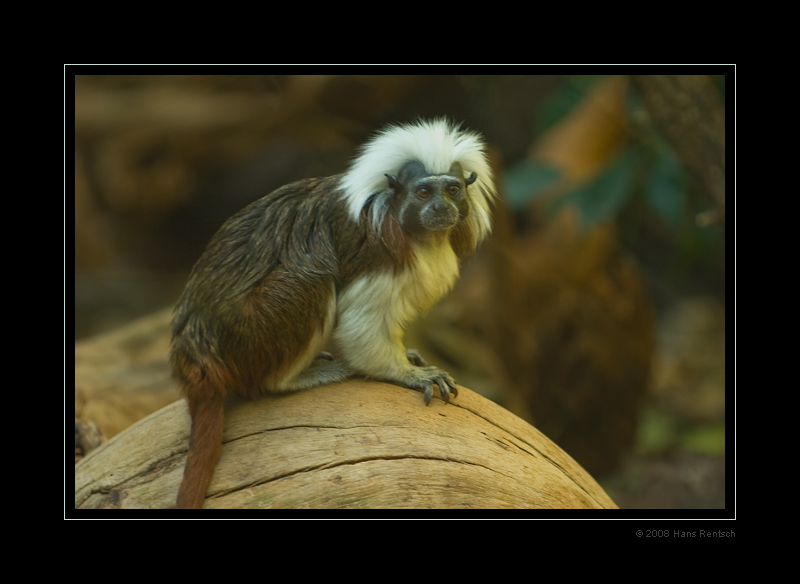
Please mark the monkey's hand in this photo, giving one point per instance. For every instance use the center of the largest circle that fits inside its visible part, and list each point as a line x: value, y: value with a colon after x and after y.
x: 423, y: 378
x: 415, y: 358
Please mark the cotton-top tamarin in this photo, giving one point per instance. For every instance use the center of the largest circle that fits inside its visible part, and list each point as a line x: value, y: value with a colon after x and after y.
x: 352, y: 258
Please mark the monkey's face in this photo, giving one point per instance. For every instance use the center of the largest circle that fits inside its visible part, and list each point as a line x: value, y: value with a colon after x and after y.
x: 425, y: 204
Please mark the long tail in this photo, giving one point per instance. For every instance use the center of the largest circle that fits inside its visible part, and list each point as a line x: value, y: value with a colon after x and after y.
x: 205, y: 446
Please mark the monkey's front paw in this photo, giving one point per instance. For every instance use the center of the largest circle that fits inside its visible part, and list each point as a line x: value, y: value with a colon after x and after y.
x: 444, y: 380
x: 415, y: 358
x: 426, y: 377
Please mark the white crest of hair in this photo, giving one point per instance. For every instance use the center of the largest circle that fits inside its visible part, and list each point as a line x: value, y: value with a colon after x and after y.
x: 436, y: 144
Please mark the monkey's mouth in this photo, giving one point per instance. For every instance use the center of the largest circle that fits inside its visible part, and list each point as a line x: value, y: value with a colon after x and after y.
x: 438, y: 221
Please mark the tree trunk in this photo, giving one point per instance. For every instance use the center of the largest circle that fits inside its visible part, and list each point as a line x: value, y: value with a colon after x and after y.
x: 356, y: 444
x: 689, y: 112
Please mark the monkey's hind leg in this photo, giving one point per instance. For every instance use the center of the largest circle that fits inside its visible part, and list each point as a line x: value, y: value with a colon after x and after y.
x: 322, y: 371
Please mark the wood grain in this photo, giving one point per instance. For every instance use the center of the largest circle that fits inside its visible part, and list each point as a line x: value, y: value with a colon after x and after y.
x: 357, y: 444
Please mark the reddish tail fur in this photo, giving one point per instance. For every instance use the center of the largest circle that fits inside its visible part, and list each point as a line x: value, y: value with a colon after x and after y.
x: 205, y: 445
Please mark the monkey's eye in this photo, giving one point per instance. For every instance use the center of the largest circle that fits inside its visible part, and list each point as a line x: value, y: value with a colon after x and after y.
x: 453, y: 190
x: 423, y: 193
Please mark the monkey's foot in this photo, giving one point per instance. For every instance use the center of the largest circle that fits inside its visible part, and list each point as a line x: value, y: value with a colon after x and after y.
x: 320, y: 372
x: 424, y: 378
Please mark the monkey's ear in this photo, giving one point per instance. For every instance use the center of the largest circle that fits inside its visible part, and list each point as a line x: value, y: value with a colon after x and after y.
x: 470, y: 179
x: 393, y: 182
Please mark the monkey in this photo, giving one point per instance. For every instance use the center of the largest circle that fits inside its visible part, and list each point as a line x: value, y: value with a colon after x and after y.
x: 351, y: 259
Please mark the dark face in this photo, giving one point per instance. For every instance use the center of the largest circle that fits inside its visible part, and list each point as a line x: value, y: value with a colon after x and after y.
x: 426, y: 204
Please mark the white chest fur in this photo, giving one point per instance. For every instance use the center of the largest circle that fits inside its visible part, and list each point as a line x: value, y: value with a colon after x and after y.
x: 373, y: 310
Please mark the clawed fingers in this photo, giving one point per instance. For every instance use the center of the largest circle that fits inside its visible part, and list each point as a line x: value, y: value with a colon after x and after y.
x: 446, y: 384
x: 415, y: 358
x: 423, y: 378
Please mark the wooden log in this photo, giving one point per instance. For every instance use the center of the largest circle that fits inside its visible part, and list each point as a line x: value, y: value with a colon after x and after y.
x: 357, y: 444
x: 124, y: 375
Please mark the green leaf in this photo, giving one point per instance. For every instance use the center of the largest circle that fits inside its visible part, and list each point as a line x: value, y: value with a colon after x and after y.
x: 655, y: 431
x: 605, y: 195
x: 526, y: 180
x: 709, y: 438
x: 666, y: 190
x: 561, y: 102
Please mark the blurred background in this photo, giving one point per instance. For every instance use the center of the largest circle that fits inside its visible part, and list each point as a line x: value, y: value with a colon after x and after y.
x: 596, y: 310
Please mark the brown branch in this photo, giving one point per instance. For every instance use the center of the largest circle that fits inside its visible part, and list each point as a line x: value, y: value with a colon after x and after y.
x: 356, y: 444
